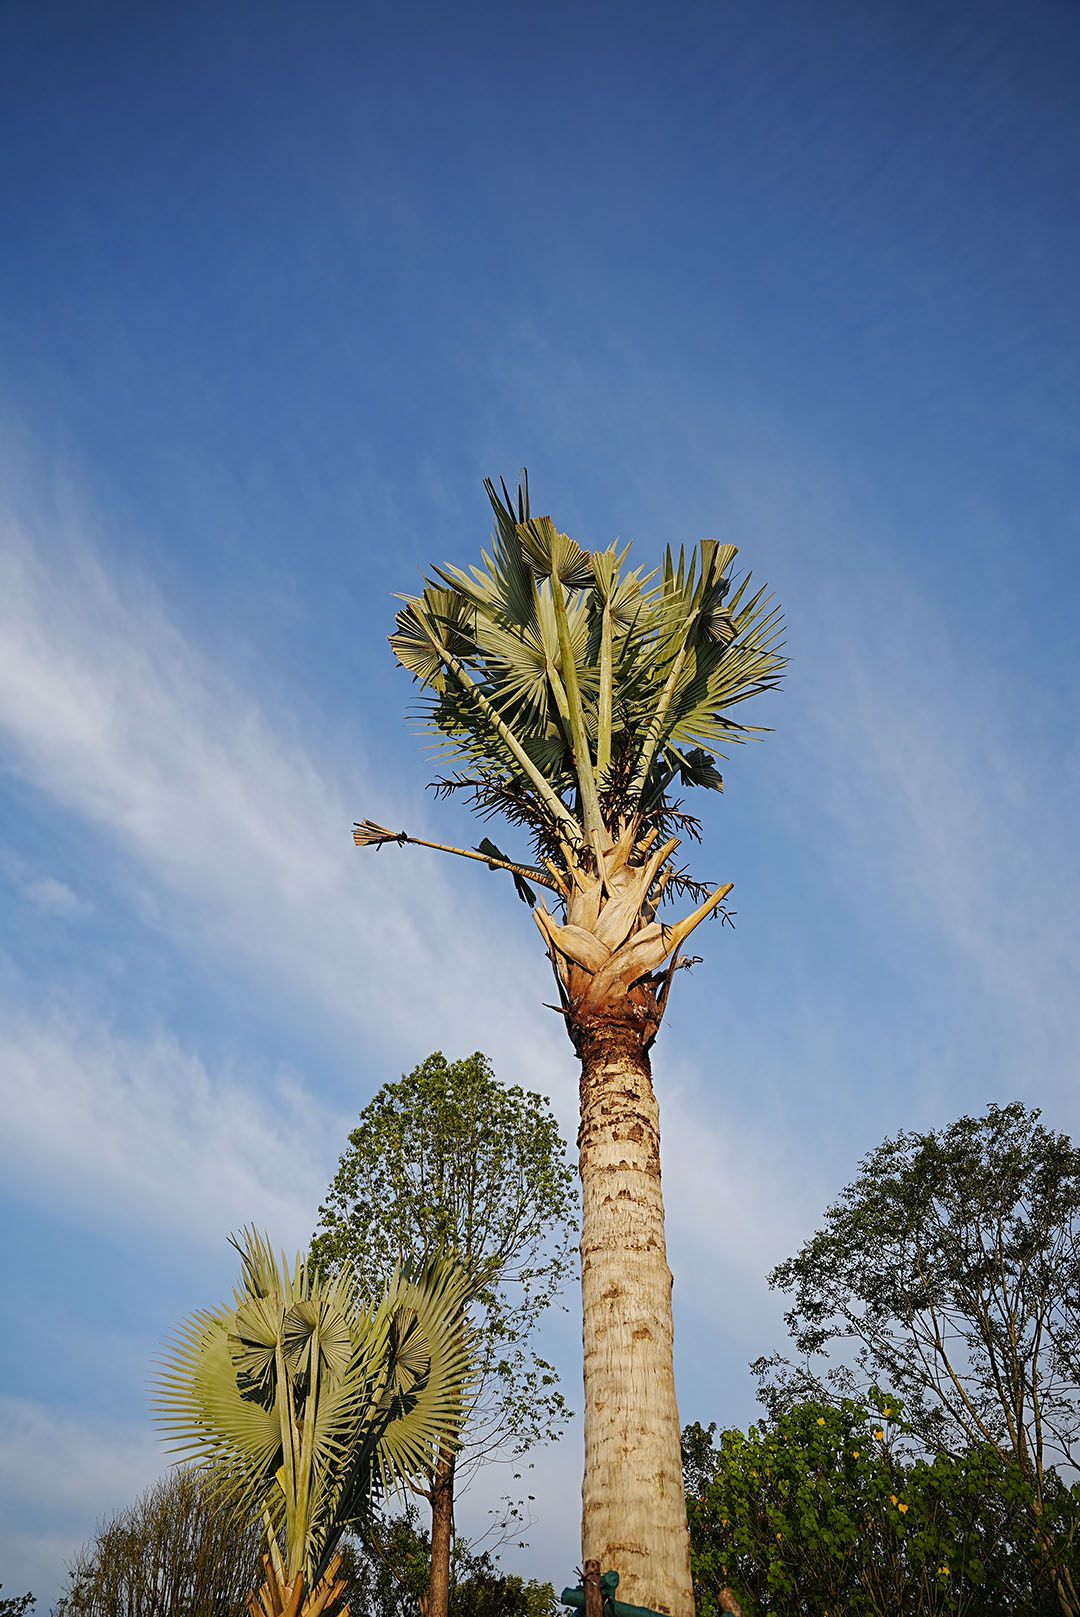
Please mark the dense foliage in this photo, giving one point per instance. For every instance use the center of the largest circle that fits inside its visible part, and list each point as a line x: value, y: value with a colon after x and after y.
x: 953, y: 1264
x: 823, y: 1512
x: 390, y: 1574
x: 17, y: 1605
x: 173, y: 1552
x: 448, y: 1159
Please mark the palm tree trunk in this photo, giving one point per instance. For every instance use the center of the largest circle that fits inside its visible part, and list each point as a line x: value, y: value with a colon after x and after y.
x: 442, y: 1532
x: 633, y: 1505
x: 276, y: 1598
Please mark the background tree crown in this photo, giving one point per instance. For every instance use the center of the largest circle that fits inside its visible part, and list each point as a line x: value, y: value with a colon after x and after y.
x: 953, y: 1262
x: 448, y: 1158
x: 821, y: 1509
x: 176, y: 1551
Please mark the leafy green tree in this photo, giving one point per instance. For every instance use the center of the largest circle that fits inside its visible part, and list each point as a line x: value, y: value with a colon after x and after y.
x: 393, y: 1560
x: 952, y: 1263
x: 392, y: 1577
x: 451, y: 1160
x: 305, y: 1405
x: 175, y: 1551
x: 822, y: 1512
x: 575, y: 695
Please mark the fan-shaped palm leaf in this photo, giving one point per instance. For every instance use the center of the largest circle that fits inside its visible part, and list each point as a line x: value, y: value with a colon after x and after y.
x: 306, y: 1405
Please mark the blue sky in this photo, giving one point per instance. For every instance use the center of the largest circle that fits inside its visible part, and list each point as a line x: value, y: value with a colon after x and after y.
x: 279, y: 287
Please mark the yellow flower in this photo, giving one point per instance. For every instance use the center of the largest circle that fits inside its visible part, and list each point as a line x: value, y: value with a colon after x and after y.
x: 885, y: 1412
x: 778, y: 1538
x: 901, y: 1508
x: 854, y: 1454
x: 892, y: 1496
x: 879, y: 1436
x: 821, y: 1420
x: 944, y: 1571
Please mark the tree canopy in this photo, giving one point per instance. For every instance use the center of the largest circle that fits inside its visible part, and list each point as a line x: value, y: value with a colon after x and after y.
x: 571, y: 695
x: 450, y: 1159
x: 953, y: 1264
x: 175, y: 1551
x: 575, y: 691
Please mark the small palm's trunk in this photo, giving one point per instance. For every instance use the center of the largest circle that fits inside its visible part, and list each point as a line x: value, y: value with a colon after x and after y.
x: 634, y: 1508
x: 276, y: 1598
x: 442, y: 1532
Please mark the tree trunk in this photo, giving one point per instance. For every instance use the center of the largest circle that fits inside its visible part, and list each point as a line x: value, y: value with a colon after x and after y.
x: 633, y: 1505
x: 442, y: 1532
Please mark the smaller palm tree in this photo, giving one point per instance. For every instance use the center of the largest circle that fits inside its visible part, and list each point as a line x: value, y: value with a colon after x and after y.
x: 304, y: 1407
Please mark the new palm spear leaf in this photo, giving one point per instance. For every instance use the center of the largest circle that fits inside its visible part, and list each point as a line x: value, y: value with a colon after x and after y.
x: 573, y: 695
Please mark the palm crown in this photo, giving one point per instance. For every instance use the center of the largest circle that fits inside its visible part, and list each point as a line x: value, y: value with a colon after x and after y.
x: 572, y: 693
x: 304, y: 1404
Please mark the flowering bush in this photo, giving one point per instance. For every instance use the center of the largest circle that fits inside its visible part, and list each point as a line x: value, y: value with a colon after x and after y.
x: 823, y: 1511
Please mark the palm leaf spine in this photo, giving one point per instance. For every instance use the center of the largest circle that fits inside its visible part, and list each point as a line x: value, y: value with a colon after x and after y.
x: 604, y: 699
x: 287, y: 1426
x: 527, y: 872
x: 654, y: 728
x: 552, y: 799
x: 583, y: 767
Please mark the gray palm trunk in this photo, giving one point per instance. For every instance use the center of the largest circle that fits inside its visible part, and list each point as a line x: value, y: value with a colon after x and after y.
x: 633, y: 1510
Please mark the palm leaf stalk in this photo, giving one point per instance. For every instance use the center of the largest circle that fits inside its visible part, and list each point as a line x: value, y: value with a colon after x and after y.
x: 305, y: 1407
x: 570, y: 694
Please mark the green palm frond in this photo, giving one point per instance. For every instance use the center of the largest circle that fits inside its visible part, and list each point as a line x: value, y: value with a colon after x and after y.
x: 552, y: 554
x: 547, y: 662
x: 305, y: 1405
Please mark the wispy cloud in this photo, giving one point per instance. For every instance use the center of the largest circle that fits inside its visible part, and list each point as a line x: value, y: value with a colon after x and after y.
x: 118, y: 1131
x: 74, y: 1464
x: 75, y: 1471
x: 46, y: 895
x: 925, y: 764
x: 945, y: 788
x: 232, y: 837
x: 107, y: 709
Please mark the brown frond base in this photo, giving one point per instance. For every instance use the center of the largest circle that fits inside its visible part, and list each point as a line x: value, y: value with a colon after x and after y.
x: 276, y: 1598
x: 630, y: 1020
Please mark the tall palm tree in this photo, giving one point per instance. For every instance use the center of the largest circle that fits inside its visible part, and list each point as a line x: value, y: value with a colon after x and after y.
x: 303, y: 1406
x: 573, y: 695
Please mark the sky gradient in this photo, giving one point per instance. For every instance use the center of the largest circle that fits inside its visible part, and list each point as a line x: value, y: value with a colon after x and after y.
x: 280, y: 287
